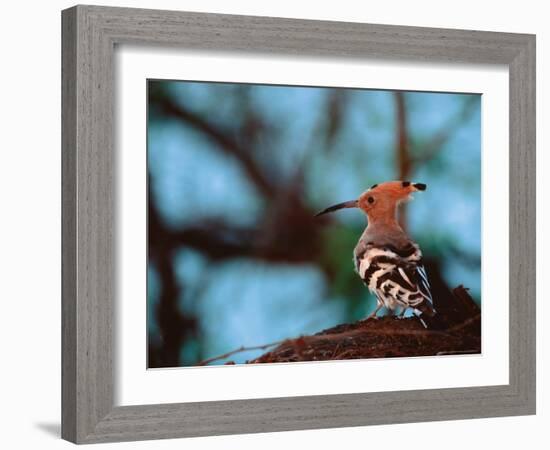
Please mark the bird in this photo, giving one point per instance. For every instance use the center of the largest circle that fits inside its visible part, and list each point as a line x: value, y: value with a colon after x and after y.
x: 388, y: 261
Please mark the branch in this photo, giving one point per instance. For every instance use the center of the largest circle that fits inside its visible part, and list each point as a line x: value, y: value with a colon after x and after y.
x: 466, y: 323
x: 403, y: 157
x: 238, y: 350
x: 338, y: 337
x: 388, y: 337
x: 402, y: 146
x: 431, y: 148
x: 222, y: 138
x: 214, y: 243
x: 384, y: 337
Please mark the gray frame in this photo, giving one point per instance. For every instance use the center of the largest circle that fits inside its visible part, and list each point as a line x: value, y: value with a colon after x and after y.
x: 89, y: 36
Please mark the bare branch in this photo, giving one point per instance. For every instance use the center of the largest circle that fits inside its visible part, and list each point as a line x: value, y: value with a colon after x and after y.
x: 215, y: 243
x: 404, y: 162
x: 460, y: 332
x: 444, y: 134
x: 221, y: 137
x: 238, y: 350
x: 403, y: 157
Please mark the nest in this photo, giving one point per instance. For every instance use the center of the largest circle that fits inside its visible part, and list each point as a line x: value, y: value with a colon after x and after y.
x: 459, y: 333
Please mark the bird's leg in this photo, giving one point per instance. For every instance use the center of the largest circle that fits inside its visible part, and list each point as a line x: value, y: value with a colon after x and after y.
x: 402, y: 313
x: 372, y: 315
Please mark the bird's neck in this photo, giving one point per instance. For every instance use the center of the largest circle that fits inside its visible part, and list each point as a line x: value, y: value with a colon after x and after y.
x: 386, y: 219
x: 385, y: 226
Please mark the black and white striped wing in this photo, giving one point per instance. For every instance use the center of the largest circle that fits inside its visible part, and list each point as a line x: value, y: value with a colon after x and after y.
x: 413, y: 275
x: 422, y: 281
x: 395, y: 276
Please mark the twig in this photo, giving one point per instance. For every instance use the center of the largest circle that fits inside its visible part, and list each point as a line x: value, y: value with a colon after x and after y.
x: 335, y: 351
x: 345, y: 353
x: 238, y: 350
x: 464, y: 324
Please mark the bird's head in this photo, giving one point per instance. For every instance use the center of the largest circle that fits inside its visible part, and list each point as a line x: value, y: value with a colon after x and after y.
x: 380, y: 199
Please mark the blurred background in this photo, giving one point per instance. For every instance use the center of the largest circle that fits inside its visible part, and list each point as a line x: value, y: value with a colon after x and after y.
x: 236, y: 173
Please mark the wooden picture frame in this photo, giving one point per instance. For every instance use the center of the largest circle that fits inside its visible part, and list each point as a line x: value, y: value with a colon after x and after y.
x: 89, y: 35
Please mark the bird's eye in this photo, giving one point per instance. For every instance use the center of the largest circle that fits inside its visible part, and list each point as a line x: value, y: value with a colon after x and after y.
x: 370, y: 199
x: 406, y: 183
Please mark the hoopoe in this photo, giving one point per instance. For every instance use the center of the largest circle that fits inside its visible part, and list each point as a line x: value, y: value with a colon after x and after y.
x: 386, y: 259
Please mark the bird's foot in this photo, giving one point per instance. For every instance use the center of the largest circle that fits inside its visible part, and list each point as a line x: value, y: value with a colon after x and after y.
x: 401, y: 314
x: 372, y: 316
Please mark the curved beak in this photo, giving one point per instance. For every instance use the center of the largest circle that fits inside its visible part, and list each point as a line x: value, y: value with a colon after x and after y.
x: 349, y: 204
x: 419, y: 186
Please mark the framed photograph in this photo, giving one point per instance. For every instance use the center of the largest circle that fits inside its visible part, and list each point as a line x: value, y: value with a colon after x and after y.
x: 240, y: 253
